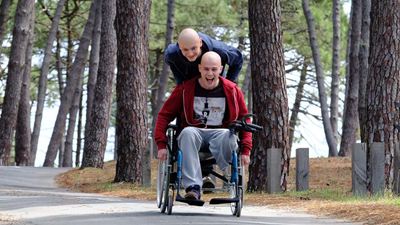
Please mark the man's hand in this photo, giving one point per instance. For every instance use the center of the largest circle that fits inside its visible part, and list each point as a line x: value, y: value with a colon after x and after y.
x: 245, y: 159
x: 162, y: 154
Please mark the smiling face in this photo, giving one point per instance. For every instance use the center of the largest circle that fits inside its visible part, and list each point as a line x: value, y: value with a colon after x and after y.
x: 210, y: 68
x: 190, y: 44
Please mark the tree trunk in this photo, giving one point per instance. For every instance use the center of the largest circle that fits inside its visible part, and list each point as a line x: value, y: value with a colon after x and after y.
x: 132, y: 26
x: 383, y: 86
x: 59, y: 64
x: 163, y: 79
x: 363, y: 58
x: 16, y: 67
x: 154, y: 77
x: 72, y: 84
x: 269, y: 88
x: 335, y: 68
x: 42, y: 86
x: 93, y: 60
x: 247, y: 81
x: 69, y: 138
x: 23, y: 131
x: 79, y: 135
x: 96, y: 131
x: 330, y: 138
x: 296, y: 104
x: 4, y: 11
x: 350, y: 120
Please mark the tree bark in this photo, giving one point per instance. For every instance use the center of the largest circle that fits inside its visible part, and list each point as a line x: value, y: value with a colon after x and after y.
x: 68, y: 93
x: 98, y: 123
x: 330, y: 138
x: 296, y: 104
x: 132, y: 26
x: 42, y: 86
x: 350, y: 120
x: 269, y: 88
x: 94, y: 60
x: 163, y: 79
x: 4, y: 12
x: 23, y: 131
x: 79, y: 135
x: 16, y: 67
x: 334, y: 106
x: 363, y: 58
x: 69, y: 138
x: 383, y: 86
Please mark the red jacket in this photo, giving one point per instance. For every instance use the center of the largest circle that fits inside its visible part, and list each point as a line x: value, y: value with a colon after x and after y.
x: 180, y: 103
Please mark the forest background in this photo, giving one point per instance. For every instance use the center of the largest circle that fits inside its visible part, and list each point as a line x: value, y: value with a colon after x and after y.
x: 225, y: 20
x: 348, y: 71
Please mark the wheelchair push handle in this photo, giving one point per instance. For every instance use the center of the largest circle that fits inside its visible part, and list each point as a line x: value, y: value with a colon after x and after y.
x: 238, y: 125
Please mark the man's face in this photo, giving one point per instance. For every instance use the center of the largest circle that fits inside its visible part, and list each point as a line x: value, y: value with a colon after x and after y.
x: 210, y: 70
x: 191, y: 49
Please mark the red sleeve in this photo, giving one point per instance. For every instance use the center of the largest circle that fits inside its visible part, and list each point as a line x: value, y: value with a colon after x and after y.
x: 245, y: 137
x: 170, y: 110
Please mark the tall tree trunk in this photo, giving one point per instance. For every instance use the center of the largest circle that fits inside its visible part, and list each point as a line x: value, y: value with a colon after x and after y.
x: 42, y: 87
x: 335, y: 68
x: 16, y: 67
x: 59, y: 64
x: 79, y: 135
x: 330, y: 138
x: 383, y: 86
x: 72, y: 84
x: 4, y: 11
x: 296, y: 104
x: 69, y: 138
x: 363, y: 58
x: 350, y: 120
x: 96, y: 131
x: 132, y: 26
x: 93, y: 66
x: 93, y: 60
x: 163, y: 79
x: 23, y: 131
x: 271, y: 107
x: 247, y: 81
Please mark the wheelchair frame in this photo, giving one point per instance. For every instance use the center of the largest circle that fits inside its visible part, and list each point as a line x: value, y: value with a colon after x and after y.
x: 170, y: 174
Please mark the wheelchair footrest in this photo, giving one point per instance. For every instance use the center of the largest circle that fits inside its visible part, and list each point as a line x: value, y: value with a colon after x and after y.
x: 223, y: 200
x: 190, y: 201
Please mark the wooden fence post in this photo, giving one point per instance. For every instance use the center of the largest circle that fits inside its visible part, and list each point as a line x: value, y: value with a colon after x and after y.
x: 302, y: 169
x: 274, y: 157
x: 359, y: 169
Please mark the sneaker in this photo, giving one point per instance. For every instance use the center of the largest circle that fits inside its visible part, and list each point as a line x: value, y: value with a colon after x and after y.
x: 208, y: 183
x: 193, y: 192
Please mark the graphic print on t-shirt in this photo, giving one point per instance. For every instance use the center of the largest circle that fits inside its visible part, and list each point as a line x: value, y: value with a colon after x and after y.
x: 211, y: 109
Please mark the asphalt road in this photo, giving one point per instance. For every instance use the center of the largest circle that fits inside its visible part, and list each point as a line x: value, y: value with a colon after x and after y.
x: 28, y: 196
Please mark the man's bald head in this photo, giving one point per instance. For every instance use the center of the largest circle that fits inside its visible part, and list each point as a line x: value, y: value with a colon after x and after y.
x: 210, y: 68
x: 190, y: 44
x: 211, y: 57
x: 188, y: 35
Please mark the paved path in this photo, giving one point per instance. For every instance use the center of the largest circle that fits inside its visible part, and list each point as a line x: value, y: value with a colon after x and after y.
x: 28, y: 196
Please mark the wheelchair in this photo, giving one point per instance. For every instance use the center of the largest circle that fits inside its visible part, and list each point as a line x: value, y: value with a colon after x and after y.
x: 170, y: 173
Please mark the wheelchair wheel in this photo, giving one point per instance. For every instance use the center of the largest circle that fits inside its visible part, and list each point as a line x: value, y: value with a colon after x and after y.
x: 170, y: 201
x: 163, y: 185
x: 160, y: 182
x: 236, y: 191
x: 236, y: 207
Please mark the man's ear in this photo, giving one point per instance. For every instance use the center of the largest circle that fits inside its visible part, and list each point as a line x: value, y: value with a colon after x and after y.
x: 201, y: 42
